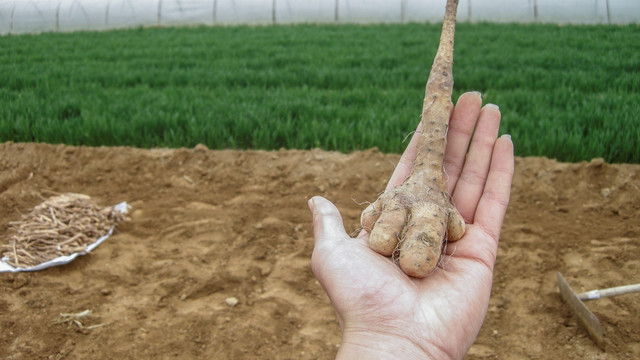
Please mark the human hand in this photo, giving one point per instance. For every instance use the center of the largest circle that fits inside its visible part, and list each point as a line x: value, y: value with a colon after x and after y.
x: 385, y: 314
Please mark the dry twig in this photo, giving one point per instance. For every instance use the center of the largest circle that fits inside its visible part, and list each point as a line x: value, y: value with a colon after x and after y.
x: 74, y: 318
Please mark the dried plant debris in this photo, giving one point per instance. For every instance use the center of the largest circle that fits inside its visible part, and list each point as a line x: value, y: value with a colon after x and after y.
x: 79, y: 319
x: 62, y: 225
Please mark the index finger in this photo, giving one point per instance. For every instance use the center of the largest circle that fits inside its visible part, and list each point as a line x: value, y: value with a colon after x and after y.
x: 461, y: 125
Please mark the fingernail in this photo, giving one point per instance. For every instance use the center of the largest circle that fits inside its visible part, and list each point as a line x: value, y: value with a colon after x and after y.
x: 310, y: 203
x: 476, y: 94
x: 508, y: 136
x: 368, y: 208
x: 493, y: 106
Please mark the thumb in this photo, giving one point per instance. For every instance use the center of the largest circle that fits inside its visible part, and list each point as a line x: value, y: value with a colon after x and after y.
x: 327, y: 222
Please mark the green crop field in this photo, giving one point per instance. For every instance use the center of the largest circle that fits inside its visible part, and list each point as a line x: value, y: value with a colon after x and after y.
x: 566, y: 92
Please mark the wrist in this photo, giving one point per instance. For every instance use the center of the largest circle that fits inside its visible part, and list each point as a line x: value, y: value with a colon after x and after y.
x: 365, y: 344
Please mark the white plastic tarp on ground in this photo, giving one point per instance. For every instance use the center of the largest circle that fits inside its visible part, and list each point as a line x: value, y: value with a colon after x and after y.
x: 5, y: 265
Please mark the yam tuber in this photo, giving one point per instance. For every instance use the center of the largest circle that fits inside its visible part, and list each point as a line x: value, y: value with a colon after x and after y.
x: 413, y: 220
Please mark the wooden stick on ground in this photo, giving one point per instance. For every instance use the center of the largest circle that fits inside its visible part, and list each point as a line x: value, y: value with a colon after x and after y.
x: 614, y: 291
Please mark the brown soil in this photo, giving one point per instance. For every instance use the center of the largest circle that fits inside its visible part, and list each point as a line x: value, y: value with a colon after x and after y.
x: 210, y: 225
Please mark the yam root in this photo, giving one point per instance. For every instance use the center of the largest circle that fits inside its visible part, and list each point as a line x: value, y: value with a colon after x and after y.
x: 413, y: 220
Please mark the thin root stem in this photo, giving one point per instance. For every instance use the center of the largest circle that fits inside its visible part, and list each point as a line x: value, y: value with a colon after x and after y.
x: 59, y: 226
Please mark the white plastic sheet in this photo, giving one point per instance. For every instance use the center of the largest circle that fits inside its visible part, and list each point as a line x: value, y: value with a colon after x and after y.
x: 504, y: 11
x: 305, y: 11
x: 624, y: 12
x: 32, y: 16
x: 230, y: 12
x: 582, y: 13
x: 190, y: 12
x: 130, y: 13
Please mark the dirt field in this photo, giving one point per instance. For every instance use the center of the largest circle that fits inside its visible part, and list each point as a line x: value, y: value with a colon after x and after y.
x: 210, y: 225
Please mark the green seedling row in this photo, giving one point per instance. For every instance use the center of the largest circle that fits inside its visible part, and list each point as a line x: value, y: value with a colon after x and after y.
x: 565, y: 92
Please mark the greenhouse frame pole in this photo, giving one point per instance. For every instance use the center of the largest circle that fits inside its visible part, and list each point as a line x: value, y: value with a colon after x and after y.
x: 58, y: 16
x: 336, y: 18
x: 273, y: 12
x: 106, y: 15
x: 215, y: 12
x: 13, y: 10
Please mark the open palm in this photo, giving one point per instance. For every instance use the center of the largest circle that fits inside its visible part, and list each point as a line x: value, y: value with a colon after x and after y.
x: 383, y: 312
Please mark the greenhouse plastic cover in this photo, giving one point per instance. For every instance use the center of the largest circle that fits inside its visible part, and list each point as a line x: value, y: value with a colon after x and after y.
x: 32, y: 16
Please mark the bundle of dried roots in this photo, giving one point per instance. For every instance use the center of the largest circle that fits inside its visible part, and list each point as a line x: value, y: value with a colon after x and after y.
x: 61, y: 225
